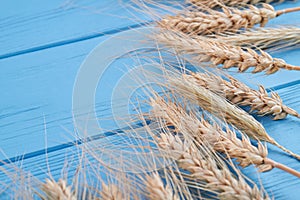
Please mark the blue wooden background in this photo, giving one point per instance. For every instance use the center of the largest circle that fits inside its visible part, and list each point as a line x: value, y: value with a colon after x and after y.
x: 42, y: 47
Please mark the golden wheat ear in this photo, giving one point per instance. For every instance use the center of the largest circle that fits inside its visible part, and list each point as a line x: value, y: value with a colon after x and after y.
x: 58, y: 190
x: 204, y: 166
x: 216, y: 22
x: 240, y: 94
x: 224, y: 141
x: 157, y: 190
x: 202, y: 49
x: 111, y: 192
x: 218, y: 3
x: 274, y: 39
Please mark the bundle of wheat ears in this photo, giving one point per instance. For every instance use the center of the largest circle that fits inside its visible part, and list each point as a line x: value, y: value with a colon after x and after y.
x: 204, y: 132
x: 223, y: 37
x: 219, y: 107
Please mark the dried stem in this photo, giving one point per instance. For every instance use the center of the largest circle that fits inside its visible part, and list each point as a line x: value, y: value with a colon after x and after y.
x: 288, y: 10
x: 203, y: 132
x: 215, y: 22
x: 240, y: 94
x: 281, y: 166
x: 204, y: 167
x: 202, y: 49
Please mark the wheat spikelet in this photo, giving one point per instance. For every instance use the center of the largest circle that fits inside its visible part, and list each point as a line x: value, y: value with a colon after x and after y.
x: 219, y: 107
x: 217, y: 3
x: 58, y: 190
x: 264, y: 38
x: 111, y: 192
x: 203, y: 132
x: 202, y: 49
x: 214, y: 22
x: 239, y: 93
x: 157, y: 190
x: 205, y: 168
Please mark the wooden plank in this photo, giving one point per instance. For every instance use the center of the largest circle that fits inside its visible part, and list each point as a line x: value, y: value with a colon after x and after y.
x: 37, y: 96
x: 32, y: 26
x: 37, y: 92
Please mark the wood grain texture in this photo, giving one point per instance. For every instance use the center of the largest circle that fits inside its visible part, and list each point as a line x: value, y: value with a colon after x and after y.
x: 42, y: 48
x: 34, y: 26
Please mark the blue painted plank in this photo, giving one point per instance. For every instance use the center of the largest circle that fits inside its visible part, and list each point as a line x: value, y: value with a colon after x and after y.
x: 37, y: 92
x: 32, y: 26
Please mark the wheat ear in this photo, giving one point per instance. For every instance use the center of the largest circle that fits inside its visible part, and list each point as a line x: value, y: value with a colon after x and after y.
x: 205, y: 168
x: 214, y: 22
x: 240, y: 94
x: 216, y: 105
x: 58, y: 190
x: 264, y: 38
x: 202, y: 49
x: 111, y: 192
x: 157, y: 190
x: 187, y: 123
x: 217, y: 3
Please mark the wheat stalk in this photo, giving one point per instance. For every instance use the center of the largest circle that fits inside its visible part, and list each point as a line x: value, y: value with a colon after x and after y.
x: 111, y: 192
x: 264, y: 38
x: 57, y: 190
x: 202, y: 49
x: 205, y: 168
x: 188, y: 123
x: 218, y: 3
x: 214, y: 22
x: 240, y: 94
x: 216, y: 105
x: 157, y: 190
